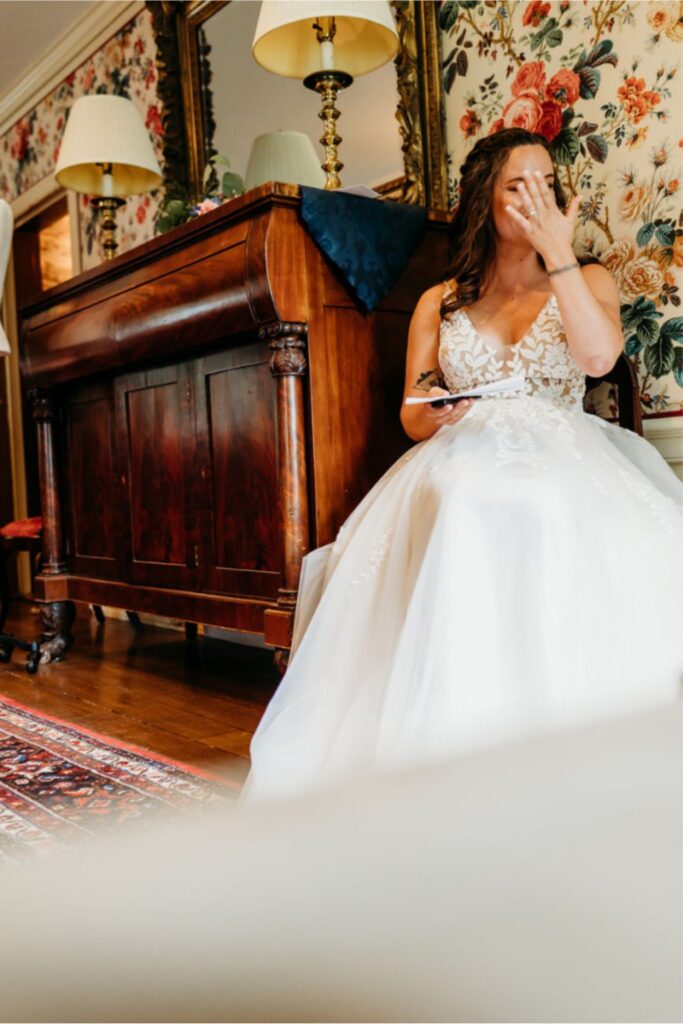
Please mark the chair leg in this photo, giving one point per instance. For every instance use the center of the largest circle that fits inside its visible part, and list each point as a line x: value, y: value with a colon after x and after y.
x: 134, y: 620
x: 98, y: 613
x: 190, y: 631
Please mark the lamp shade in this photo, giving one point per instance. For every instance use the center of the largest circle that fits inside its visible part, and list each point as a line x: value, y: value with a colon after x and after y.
x: 106, y: 130
x: 285, y: 41
x: 6, y: 224
x: 284, y: 156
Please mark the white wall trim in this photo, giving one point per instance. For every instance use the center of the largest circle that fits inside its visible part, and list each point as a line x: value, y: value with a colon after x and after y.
x: 86, y: 35
x: 666, y: 435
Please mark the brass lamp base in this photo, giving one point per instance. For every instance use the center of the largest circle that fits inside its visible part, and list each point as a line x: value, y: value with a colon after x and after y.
x: 328, y: 84
x: 108, y: 205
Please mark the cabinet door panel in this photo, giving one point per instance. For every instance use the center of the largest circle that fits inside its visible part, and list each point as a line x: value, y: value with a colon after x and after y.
x: 157, y: 443
x: 237, y: 424
x: 94, y: 521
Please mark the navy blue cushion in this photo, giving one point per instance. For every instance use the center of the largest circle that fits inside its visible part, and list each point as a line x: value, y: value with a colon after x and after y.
x: 369, y: 240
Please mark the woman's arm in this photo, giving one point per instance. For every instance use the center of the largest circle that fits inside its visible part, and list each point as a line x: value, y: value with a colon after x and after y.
x: 423, y: 375
x: 587, y: 297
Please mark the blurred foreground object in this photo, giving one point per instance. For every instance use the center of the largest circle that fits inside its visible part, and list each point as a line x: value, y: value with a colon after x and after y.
x: 540, y: 882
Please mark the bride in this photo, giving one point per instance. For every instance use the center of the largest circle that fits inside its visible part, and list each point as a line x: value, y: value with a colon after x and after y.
x: 518, y: 570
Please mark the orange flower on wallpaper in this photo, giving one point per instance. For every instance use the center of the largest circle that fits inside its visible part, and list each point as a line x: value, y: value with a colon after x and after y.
x: 564, y: 87
x: 470, y: 123
x: 637, y: 100
x: 667, y: 18
x: 535, y: 13
x: 529, y: 78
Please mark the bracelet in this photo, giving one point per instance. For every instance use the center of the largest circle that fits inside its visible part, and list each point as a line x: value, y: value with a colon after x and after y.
x: 561, y: 270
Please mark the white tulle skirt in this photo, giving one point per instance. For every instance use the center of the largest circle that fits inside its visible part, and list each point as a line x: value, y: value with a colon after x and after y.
x: 519, y: 572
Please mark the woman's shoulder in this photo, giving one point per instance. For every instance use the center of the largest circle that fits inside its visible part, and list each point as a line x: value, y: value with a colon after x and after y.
x: 435, y: 296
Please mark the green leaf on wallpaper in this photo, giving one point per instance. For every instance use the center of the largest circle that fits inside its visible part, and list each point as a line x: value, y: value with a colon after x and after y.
x: 672, y: 329
x: 665, y: 230
x: 659, y: 358
x: 550, y: 34
x: 589, y: 83
x: 646, y: 331
x: 678, y: 365
x: 568, y: 116
x: 448, y: 15
x: 597, y: 147
x: 461, y: 63
x: 601, y: 54
x: 632, y: 315
x: 565, y: 147
x: 632, y: 346
x: 586, y: 128
x: 645, y: 234
x: 449, y: 78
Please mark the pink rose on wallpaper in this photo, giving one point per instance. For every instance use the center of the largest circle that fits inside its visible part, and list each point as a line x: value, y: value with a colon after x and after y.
x: 139, y: 46
x: 141, y: 214
x: 496, y: 126
x: 535, y: 13
x: 150, y: 77
x: 563, y: 87
x: 522, y: 112
x: 153, y: 120
x: 549, y: 123
x: 20, y: 143
x: 88, y: 78
x: 529, y: 78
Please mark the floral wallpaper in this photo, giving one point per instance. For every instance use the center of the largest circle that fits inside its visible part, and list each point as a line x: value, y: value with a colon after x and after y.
x: 599, y: 79
x: 124, y: 66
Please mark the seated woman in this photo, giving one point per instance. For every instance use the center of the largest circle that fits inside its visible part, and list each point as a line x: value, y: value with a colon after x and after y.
x: 492, y: 584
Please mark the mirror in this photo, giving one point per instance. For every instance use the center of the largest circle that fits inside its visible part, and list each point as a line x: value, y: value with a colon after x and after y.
x: 391, y: 119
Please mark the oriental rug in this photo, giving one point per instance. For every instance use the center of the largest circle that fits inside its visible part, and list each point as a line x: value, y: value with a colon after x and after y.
x: 60, y: 782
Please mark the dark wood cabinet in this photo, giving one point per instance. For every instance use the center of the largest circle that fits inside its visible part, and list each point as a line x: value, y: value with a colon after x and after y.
x: 209, y: 407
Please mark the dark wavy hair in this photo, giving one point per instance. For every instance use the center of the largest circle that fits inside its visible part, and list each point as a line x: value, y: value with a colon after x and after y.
x: 473, y: 233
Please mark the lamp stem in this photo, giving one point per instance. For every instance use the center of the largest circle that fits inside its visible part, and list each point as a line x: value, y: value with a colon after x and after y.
x: 328, y: 84
x: 108, y: 205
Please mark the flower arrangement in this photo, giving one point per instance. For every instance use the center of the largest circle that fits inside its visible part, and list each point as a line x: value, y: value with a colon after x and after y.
x: 553, y: 67
x: 219, y: 184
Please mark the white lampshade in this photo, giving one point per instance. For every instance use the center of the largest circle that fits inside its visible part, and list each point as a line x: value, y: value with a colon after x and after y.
x: 284, y: 156
x: 285, y: 41
x: 107, y: 130
x: 6, y: 223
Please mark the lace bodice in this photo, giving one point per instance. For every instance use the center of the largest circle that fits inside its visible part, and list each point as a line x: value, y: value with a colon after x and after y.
x: 542, y: 356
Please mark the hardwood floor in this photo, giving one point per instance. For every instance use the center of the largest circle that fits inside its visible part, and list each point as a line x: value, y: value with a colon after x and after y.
x: 197, y: 702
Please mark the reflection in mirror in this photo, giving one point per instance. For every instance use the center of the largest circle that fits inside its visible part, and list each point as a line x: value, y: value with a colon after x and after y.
x: 248, y: 101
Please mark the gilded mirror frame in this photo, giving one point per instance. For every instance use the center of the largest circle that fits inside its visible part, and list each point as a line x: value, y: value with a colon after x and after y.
x: 187, y: 117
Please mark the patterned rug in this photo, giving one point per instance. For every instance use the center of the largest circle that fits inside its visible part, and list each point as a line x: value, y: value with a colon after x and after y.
x: 59, y: 783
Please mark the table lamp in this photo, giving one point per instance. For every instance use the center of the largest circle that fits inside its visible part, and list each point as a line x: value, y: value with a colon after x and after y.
x: 283, y: 156
x: 106, y: 152
x: 325, y: 43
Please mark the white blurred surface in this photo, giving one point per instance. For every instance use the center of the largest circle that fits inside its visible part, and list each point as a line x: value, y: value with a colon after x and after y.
x: 541, y: 882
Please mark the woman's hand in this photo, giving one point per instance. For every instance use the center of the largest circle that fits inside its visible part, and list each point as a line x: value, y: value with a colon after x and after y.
x: 549, y: 230
x: 445, y: 414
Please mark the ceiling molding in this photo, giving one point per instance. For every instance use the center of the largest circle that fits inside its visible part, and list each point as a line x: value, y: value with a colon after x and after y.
x: 83, y: 37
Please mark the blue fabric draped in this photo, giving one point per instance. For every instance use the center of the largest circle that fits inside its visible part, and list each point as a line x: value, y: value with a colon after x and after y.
x: 369, y: 240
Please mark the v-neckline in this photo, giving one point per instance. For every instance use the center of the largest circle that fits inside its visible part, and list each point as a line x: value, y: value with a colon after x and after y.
x: 514, y: 344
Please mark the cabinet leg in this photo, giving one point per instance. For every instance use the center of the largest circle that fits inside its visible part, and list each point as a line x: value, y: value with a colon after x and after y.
x: 56, y: 618
x: 281, y: 659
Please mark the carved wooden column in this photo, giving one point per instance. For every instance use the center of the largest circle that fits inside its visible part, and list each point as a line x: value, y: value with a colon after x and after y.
x: 56, y: 616
x: 288, y: 364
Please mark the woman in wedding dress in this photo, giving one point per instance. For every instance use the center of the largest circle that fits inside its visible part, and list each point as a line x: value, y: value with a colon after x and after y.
x: 519, y: 569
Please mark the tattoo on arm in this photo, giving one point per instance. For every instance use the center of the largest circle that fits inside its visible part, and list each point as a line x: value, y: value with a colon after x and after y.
x: 429, y: 379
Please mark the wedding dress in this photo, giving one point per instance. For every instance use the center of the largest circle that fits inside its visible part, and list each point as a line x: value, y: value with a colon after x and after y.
x: 517, y: 572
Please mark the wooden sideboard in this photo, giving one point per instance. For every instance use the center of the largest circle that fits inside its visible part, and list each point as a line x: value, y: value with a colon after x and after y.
x: 209, y: 407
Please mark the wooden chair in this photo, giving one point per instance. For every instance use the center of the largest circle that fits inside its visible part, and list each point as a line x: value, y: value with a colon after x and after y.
x: 22, y: 535
x: 625, y: 394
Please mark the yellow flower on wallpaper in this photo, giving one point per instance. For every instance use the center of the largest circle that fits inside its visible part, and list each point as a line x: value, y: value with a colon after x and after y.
x: 667, y: 18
